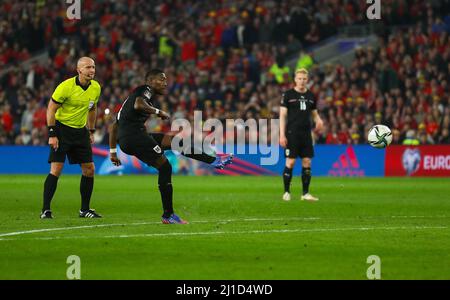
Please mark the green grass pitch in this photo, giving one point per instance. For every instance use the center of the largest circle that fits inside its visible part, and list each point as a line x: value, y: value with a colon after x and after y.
x: 239, y: 229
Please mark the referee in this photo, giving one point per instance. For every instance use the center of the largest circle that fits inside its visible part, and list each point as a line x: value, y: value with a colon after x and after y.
x: 297, y: 107
x: 73, y: 105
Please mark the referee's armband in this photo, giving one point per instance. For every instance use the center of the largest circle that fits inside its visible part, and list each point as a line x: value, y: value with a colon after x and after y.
x: 52, y: 131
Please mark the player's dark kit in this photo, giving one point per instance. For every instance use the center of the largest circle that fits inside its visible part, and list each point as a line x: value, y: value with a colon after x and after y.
x: 149, y: 147
x: 299, y: 123
x: 132, y: 135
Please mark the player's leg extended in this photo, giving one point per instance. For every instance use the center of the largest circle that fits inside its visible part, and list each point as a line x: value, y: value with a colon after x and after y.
x: 306, y: 179
x: 196, y: 153
x: 86, y: 188
x: 287, y: 177
x: 50, y: 185
x: 166, y: 190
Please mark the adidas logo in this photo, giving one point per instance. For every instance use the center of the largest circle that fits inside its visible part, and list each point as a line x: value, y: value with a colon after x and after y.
x: 346, y: 165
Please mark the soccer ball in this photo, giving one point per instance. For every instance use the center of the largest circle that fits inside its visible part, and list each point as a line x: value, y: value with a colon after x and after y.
x: 380, y: 136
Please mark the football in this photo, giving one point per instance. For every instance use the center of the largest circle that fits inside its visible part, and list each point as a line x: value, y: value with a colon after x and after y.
x: 380, y: 136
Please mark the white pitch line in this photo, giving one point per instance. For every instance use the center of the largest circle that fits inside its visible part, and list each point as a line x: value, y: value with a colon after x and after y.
x: 16, y: 233
x: 239, y: 232
x: 71, y: 228
x: 148, y: 223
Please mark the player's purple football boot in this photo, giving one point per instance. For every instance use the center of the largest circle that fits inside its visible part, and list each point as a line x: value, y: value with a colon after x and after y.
x: 173, y: 219
x: 220, y: 164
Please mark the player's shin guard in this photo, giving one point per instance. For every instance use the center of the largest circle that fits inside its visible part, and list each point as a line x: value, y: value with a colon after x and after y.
x: 306, y: 179
x: 49, y: 190
x: 287, y: 177
x: 86, y: 187
x: 165, y: 188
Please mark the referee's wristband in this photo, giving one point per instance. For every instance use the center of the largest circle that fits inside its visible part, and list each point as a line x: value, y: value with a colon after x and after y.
x: 156, y: 111
x: 113, y: 150
x: 52, y: 131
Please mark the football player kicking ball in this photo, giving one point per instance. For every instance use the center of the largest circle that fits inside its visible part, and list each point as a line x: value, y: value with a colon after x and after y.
x: 297, y: 107
x: 129, y: 131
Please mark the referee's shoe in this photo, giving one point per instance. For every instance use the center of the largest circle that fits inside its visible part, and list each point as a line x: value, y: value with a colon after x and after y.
x: 90, y: 213
x: 46, y: 214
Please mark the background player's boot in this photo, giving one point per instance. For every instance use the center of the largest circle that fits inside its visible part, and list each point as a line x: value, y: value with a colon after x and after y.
x: 286, y: 196
x: 173, y: 219
x: 46, y: 214
x: 90, y: 213
x: 309, y: 197
x: 220, y: 164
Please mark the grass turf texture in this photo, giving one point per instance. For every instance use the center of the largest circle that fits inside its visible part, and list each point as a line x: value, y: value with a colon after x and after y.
x: 240, y: 229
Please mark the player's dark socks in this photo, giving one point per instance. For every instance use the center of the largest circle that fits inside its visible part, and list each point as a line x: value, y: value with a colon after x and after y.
x: 165, y: 188
x: 166, y: 197
x: 49, y: 190
x: 86, y: 187
x: 306, y: 179
x: 287, y: 177
x: 202, y: 156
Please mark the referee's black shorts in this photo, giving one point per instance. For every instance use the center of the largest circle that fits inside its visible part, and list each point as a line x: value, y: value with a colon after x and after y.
x: 73, y: 142
x: 300, y: 144
x: 146, y: 147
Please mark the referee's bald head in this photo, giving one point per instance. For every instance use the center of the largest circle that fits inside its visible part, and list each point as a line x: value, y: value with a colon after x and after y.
x: 86, y: 69
x: 84, y: 61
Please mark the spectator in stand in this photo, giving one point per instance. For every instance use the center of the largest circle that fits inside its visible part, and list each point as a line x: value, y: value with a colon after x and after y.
x: 405, y: 79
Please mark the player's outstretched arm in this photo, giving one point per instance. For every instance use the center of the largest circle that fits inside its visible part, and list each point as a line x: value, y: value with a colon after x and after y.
x: 142, y: 105
x: 113, y: 144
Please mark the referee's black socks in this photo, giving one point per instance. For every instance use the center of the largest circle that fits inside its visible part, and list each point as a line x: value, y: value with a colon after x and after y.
x: 287, y: 177
x: 306, y: 179
x: 49, y: 190
x: 86, y: 187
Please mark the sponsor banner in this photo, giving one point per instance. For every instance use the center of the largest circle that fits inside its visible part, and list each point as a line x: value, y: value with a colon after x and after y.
x: 344, y: 160
x: 34, y: 160
x: 348, y: 160
x: 432, y: 160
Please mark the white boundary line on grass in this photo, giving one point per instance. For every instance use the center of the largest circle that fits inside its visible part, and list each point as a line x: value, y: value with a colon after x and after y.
x: 16, y: 233
x: 169, y: 234
x: 148, y: 223
x: 210, y: 221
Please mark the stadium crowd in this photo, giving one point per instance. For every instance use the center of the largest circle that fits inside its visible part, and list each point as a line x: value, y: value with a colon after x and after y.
x: 228, y: 59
